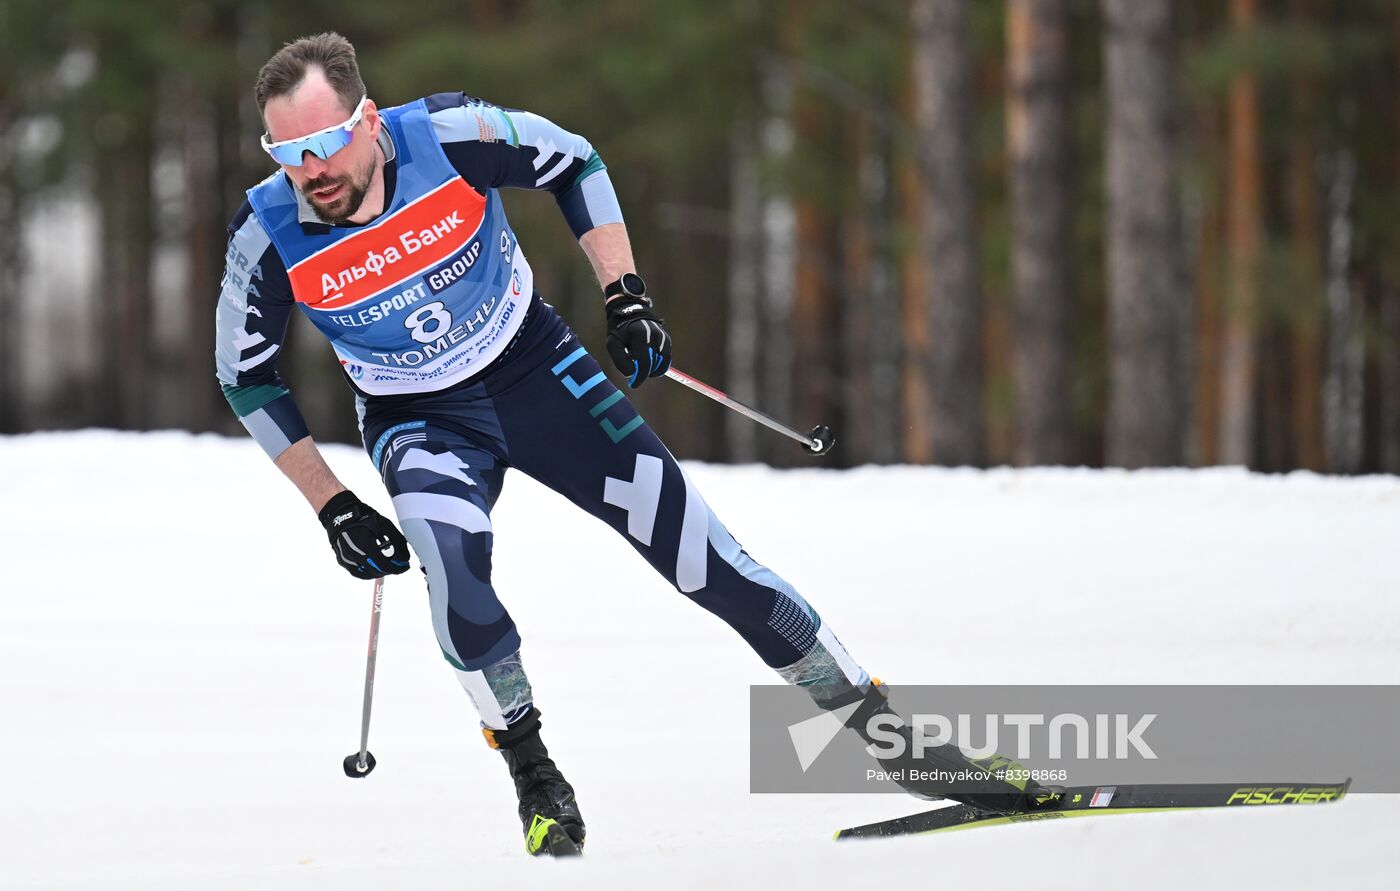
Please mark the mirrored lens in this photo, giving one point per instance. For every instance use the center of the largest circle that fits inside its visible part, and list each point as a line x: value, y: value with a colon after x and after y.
x: 322, y: 145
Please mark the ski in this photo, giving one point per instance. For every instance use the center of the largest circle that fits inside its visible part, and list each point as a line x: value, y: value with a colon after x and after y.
x: 546, y: 837
x: 1090, y: 801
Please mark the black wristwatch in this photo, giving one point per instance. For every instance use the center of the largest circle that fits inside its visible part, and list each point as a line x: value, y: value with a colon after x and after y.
x: 630, y: 285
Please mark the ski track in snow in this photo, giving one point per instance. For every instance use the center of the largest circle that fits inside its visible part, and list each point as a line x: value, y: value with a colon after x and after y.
x: 181, y: 666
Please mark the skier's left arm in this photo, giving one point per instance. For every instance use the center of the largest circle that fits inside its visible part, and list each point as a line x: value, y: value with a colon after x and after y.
x: 494, y: 147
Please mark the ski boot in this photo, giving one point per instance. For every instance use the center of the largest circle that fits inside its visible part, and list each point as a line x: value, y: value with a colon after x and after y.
x: 994, y: 792
x: 548, y: 810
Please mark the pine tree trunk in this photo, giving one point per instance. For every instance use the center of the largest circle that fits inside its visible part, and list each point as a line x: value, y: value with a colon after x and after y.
x: 1038, y: 137
x: 853, y: 305
x: 915, y: 395
x: 1390, y: 349
x: 127, y: 231
x: 1389, y: 374
x: 1205, y: 265
x: 1305, y: 218
x: 1145, y: 295
x: 869, y: 306
x: 11, y: 255
x: 881, y: 299
x: 133, y: 285
x: 779, y: 258
x: 942, y: 72
x: 1243, y: 238
x: 745, y: 294
x: 1344, y: 391
x: 204, y: 245
x: 107, y: 381
x: 815, y: 351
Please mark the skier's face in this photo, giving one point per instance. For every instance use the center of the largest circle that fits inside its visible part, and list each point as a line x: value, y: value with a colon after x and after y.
x: 334, y: 186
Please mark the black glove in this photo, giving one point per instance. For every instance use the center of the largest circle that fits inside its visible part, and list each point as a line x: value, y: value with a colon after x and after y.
x: 637, y: 339
x: 366, y: 544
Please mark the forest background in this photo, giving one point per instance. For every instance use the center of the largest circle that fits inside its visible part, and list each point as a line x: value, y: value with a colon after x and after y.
x: 962, y: 232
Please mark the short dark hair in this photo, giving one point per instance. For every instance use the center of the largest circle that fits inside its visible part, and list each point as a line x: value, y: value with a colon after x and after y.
x: 330, y: 52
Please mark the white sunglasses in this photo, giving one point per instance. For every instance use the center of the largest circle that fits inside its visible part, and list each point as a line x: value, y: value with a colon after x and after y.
x: 322, y: 143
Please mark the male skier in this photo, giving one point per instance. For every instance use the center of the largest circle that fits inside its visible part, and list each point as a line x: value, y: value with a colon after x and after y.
x: 385, y: 227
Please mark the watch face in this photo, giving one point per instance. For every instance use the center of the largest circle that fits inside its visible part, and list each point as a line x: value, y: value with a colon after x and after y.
x: 633, y: 286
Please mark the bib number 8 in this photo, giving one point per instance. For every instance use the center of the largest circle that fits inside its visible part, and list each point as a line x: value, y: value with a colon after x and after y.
x: 427, y: 323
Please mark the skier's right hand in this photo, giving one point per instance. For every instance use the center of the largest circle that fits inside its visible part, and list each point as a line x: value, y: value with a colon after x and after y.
x: 638, y: 342
x: 367, y: 544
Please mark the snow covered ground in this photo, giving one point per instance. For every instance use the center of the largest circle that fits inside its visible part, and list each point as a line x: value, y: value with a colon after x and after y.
x: 181, y: 666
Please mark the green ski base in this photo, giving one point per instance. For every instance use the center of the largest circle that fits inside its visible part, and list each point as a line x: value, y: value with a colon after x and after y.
x: 1098, y: 801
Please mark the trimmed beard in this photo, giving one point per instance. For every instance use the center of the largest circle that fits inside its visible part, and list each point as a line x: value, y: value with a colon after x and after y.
x: 355, y: 190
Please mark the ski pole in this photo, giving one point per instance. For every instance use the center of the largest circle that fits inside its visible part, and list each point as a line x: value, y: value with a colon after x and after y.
x: 359, y: 764
x: 818, y: 442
